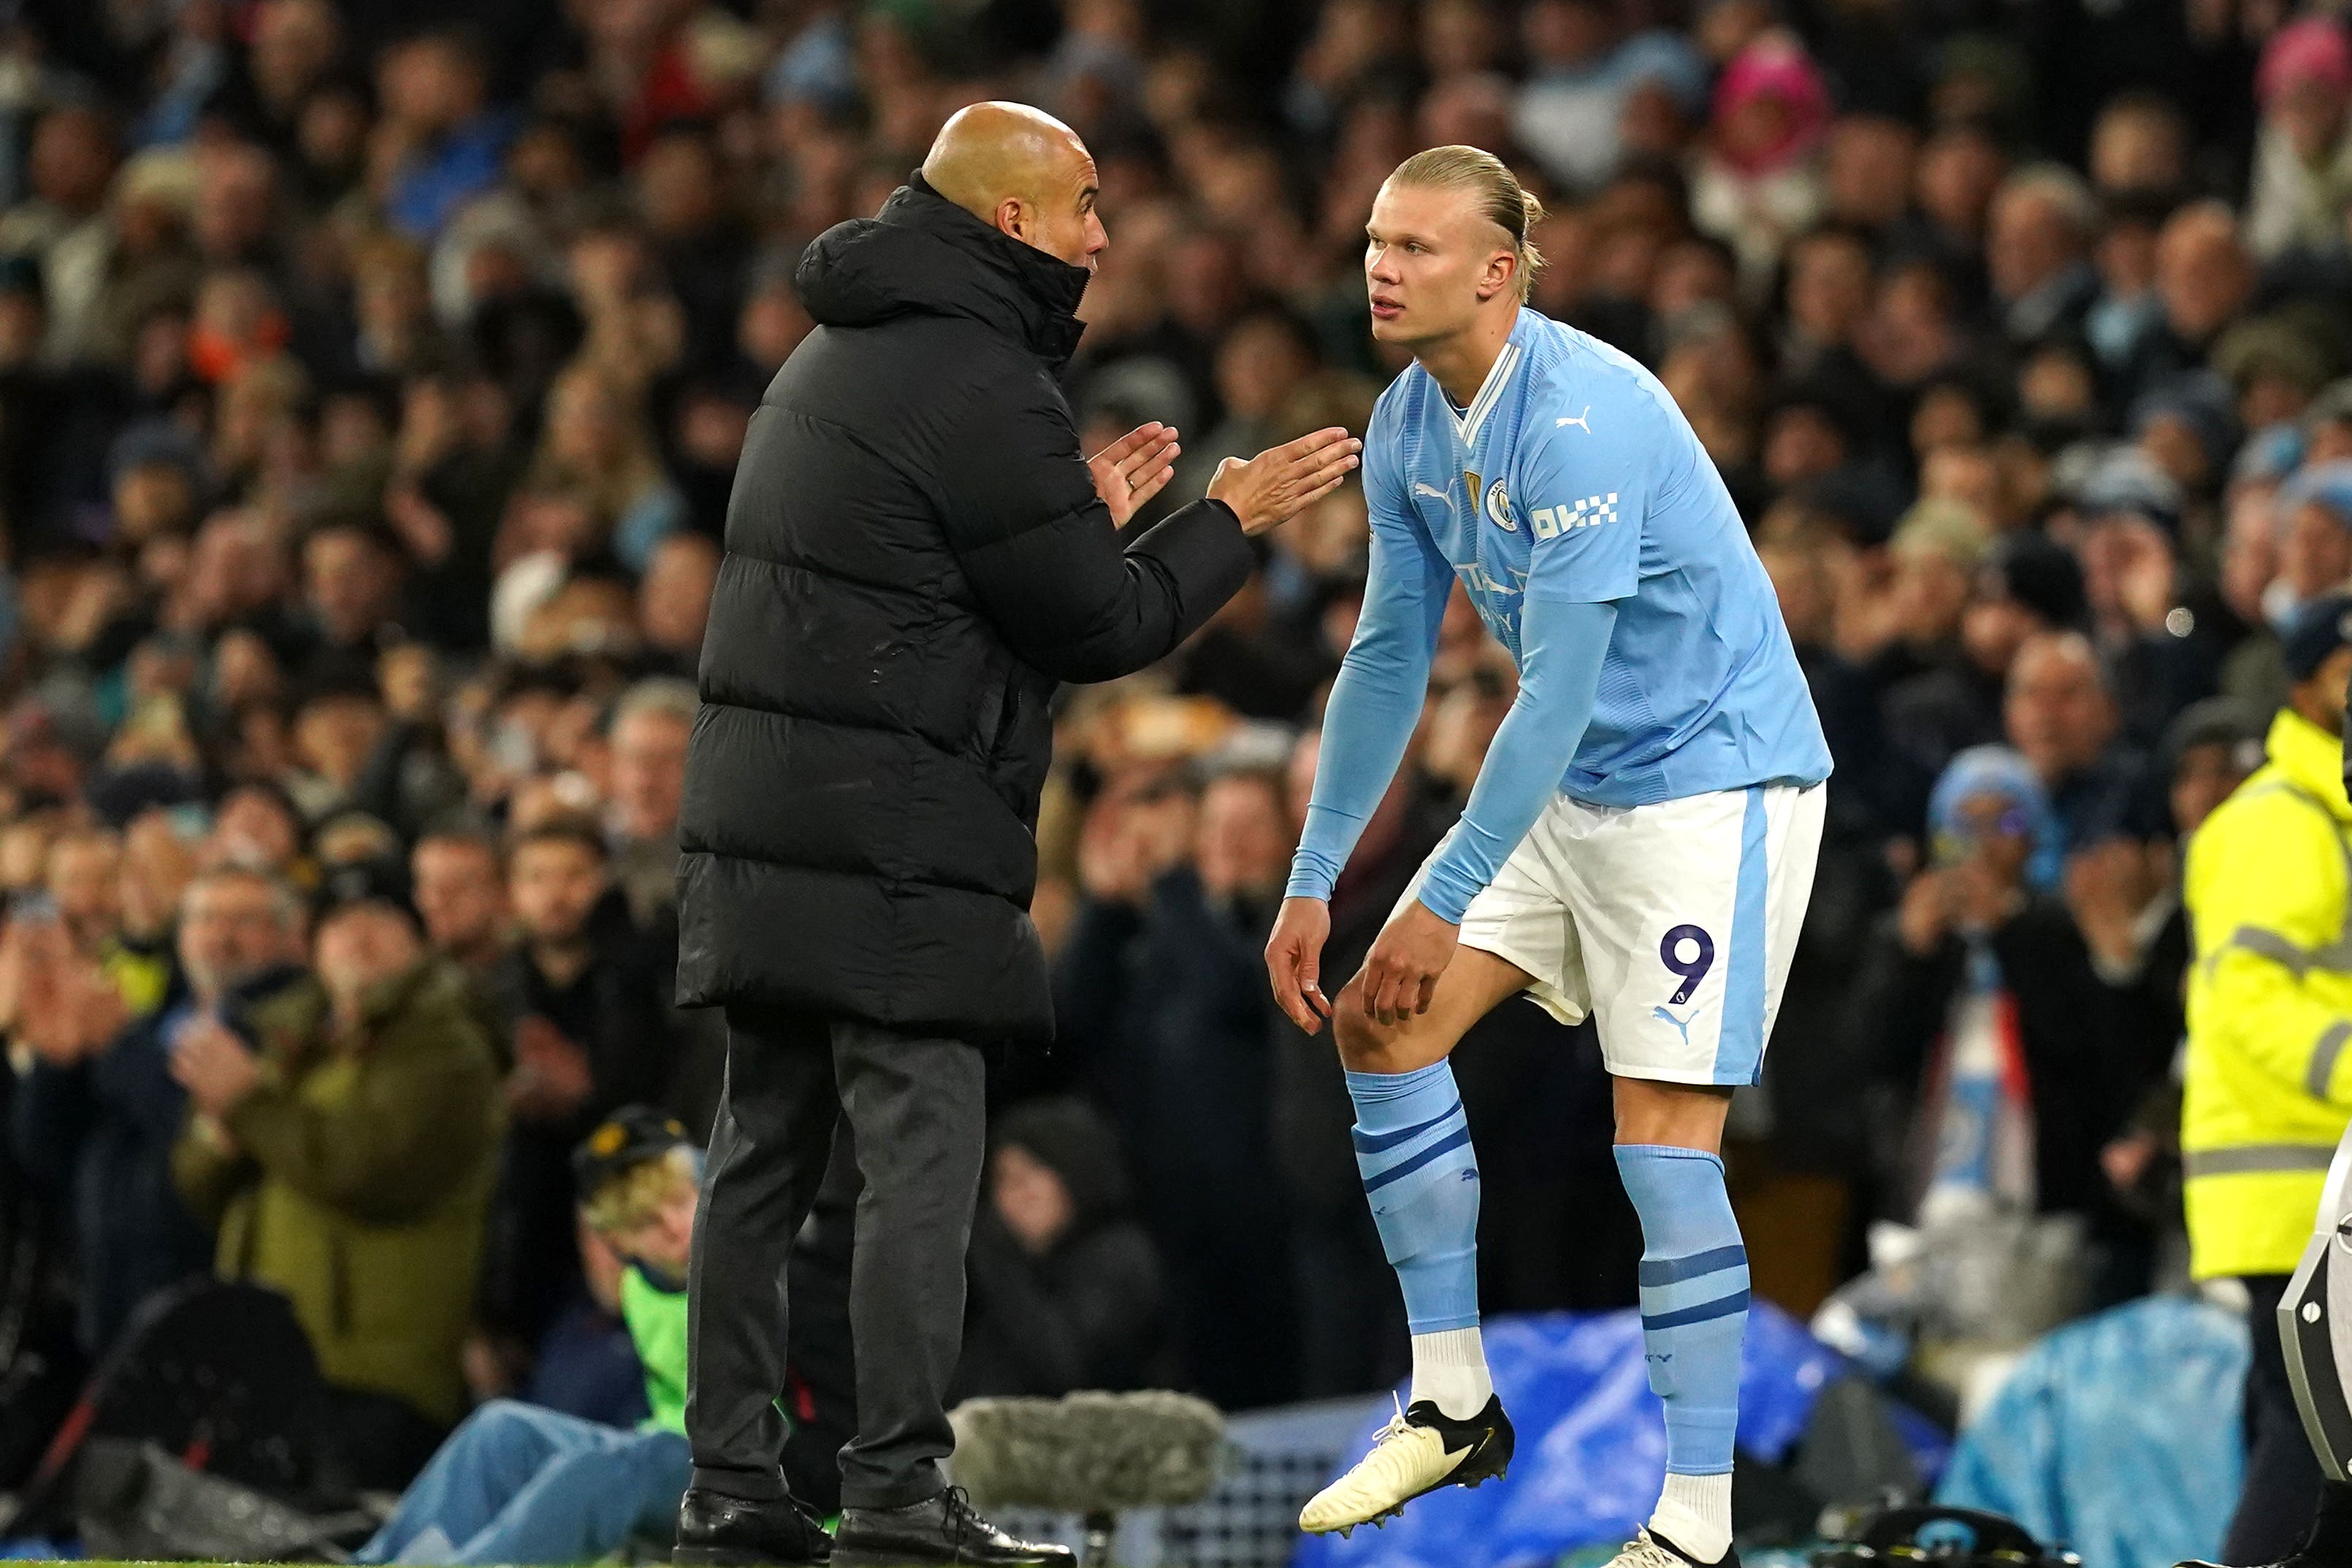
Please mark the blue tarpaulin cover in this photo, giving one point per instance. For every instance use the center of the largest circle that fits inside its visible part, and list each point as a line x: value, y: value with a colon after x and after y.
x: 1591, y: 1442
x: 2118, y: 1436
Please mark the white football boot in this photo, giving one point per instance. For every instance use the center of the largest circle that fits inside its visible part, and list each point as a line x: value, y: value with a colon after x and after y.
x: 1421, y: 1450
x: 1648, y: 1551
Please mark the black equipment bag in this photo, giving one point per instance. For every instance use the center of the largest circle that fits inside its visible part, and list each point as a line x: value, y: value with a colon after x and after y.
x: 218, y: 1375
x: 134, y: 1502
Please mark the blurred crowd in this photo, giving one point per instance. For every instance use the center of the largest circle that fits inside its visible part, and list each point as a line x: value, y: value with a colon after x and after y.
x: 372, y: 377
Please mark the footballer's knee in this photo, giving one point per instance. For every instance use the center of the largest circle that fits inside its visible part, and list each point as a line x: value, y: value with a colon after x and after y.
x: 1368, y: 1045
x: 1362, y: 1039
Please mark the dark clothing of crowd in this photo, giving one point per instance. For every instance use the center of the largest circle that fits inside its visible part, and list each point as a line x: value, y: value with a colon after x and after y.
x: 374, y: 381
x: 1080, y: 1309
x: 102, y: 1130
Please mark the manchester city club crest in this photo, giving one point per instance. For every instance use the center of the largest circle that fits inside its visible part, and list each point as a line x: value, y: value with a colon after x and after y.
x: 1498, y: 506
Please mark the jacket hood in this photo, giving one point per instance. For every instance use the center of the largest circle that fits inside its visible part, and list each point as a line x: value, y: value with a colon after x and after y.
x: 923, y: 254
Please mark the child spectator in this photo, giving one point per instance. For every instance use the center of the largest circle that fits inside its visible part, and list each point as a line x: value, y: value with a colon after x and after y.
x: 519, y: 1484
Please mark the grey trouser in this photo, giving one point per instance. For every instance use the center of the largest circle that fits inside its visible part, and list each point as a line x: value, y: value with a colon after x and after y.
x: 916, y: 1116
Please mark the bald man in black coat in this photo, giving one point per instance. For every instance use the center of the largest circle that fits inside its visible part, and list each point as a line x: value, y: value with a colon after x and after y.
x: 917, y: 554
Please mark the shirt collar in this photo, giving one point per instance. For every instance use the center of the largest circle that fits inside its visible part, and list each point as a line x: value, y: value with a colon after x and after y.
x: 1490, y: 390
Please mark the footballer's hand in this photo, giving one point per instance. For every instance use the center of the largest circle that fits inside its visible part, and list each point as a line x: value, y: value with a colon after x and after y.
x: 1278, y: 483
x: 1400, y: 973
x: 1134, y: 468
x: 1294, y: 961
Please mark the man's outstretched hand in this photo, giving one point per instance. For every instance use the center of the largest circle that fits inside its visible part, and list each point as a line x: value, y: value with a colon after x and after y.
x: 1134, y: 468
x: 1278, y: 484
x: 1294, y: 961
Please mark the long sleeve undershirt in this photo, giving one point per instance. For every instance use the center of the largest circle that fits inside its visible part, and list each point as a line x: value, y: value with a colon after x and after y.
x: 1376, y: 699
x: 1376, y: 703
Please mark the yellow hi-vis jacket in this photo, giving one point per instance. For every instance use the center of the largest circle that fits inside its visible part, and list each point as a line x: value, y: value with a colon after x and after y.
x: 2269, y: 895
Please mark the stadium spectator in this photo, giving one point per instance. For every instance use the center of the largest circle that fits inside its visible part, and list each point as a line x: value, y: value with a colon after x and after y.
x: 97, y: 1110
x: 1065, y: 1286
x: 1757, y: 185
x: 2037, y: 253
x: 2060, y: 713
x: 2302, y: 177
x: 2315, y: 537
x: 2127, y: 901
x: 257, y: 829
x: 649, y: 732
x: 673, y: 602
x: 651, y: 723
x: 517, y: 1483
x: 586, y: 1026
x: 2203, y: 281
x: 1159, y: 987
x: 461, y: 898
x: 2024, y: 585
x: 344, y: 1156
x: 1935, y: 550
x: 1980, y: 1009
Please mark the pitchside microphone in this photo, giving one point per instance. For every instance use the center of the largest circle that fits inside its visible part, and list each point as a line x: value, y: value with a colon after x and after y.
x: 1090, y: 1453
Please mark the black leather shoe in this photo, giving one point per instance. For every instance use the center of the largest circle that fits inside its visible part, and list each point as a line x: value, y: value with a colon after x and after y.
x: 715, y: 1531
x: 942, y: 1529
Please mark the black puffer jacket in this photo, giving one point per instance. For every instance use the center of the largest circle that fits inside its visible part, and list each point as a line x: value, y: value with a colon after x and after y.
x: 915, y: 558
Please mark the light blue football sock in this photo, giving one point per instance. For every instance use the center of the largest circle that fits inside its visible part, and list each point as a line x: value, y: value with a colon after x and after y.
x: 1693, y: 1281
x: 1421, y: 1176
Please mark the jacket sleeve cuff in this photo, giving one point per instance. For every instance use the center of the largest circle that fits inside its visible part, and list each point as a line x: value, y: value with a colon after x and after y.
x: 1203, y: 551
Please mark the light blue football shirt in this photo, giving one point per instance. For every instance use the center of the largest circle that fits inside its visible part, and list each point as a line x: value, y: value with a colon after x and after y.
x: 1654, y: 666
x: 1573, y: 476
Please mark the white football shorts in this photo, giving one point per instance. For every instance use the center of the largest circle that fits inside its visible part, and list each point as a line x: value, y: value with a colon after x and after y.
x: 1672, y: 924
